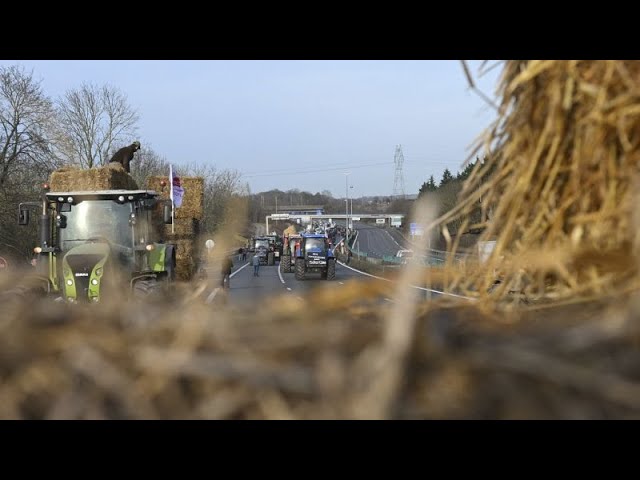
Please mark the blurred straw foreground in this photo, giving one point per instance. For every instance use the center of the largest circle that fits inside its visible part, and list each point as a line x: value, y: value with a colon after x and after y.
x: 557, y: 337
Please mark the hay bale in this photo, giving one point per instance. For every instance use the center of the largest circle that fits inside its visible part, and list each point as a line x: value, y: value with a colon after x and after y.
x: 185, y: 267
x: 326, y: 357
x: 558, y: 182
x: 186, y: 254
x: 193, y: 200
x: 183, y: 228
x: 290, y: 230
x: 111, y: 177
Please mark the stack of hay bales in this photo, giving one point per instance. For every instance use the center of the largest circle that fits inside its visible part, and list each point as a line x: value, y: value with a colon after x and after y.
x: 186, y: 228
x: 111, y: 177
x: 290, y: 230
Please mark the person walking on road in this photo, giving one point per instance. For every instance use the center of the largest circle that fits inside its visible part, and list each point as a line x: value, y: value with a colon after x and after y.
x: 255, y: 261
x: 227, y: 266
x: 244, y: 254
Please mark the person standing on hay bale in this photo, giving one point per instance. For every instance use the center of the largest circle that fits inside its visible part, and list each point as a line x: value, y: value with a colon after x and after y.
x: 125, y: 155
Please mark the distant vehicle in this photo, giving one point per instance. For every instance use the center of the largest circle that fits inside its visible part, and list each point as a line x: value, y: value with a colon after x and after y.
x: 289, y: 251
x: 314, y: 254
x: 262, y: 248
x: 404, y: 254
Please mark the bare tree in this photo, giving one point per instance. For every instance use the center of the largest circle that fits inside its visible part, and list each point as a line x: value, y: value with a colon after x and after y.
x: 26, y: 115
x: 148, y: 163
x: 94, y: 119
x: 27, y: 126
x: 222, y: 189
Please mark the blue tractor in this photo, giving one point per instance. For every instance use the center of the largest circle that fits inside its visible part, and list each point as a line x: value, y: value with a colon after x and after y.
x: 314, y: 255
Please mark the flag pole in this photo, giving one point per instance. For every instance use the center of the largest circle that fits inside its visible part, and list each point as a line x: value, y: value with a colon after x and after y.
x: 173, y: 206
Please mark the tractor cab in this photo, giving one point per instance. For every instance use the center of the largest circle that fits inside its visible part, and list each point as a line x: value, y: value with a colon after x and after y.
x: 89, y: 238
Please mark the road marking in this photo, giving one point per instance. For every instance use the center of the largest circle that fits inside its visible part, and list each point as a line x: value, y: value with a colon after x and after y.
x: 280, y: 273
x: 441, y: 293
x: 363, y: 273
x: 389, y: 300
x: 214, y: 292
x: 300, y: 298
x: 246, y: 264
x: 288, y: 289
x: 341, y: 283
x: 212, y: 295
x: 412, y: 286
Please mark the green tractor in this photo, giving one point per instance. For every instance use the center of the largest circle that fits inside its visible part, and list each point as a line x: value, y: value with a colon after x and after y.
x: 100, y: 244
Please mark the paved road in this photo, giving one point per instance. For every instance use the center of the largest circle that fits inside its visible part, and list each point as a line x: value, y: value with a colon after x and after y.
x: 247, y: 288
x: 375, y: 241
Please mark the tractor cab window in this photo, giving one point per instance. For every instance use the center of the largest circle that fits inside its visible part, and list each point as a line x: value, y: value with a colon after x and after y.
x: 97, y: 219
x: 316, y: 244
x: 262, y: 244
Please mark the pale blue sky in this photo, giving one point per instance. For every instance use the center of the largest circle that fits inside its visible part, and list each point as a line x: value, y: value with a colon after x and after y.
x: 262, y: 117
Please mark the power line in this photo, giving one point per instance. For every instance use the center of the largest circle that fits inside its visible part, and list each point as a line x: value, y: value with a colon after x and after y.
x: 300, y: 172
x: 343, y: 167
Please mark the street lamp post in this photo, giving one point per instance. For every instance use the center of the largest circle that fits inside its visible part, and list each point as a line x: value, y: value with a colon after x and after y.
x: 346, y: 207
x: 351, y: 213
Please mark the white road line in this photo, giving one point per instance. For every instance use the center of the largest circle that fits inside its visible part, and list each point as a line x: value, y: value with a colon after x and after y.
x: 214, y: 292
x: 280, y: 273
x: 412, y: 286
x: 363, y: 273
x: 300, y: 298
x: 212, y: 295
x: 341, y: 283
x: 231, y: 276
x: 288, y: 289
x: 441, y: 293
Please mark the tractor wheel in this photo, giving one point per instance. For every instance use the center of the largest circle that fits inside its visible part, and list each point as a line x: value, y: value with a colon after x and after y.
x: 300, y: 269
x: 271, y: 258
x: 285, y: 264
x: 147, y: 289
x: 331, y: 269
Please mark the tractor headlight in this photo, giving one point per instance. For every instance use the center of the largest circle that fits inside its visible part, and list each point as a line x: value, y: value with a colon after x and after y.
x: 150, y: 247
x: 99, y: 271
x: 94, y: 281
x: 69, y: 282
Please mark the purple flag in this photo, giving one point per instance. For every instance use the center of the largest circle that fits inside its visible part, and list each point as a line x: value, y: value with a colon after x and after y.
x: 177, y: 192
